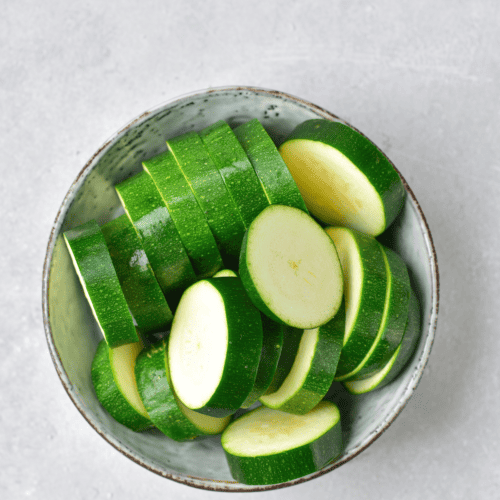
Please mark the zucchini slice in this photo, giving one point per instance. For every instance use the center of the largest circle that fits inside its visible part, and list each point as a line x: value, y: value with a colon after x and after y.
x: 186, y: 213
x: 142, y: 292
x: 267, y: 446
x: 273, y: 173
x: 115, y: 385
x: 211, y: 193
x: 167, y: 413
x: 290, y: 268
x: 93, y: 264
x: 236, y: 170
x: 393, y: 322
x: 344, y: 178
x: 272, y: 344
x: 398, y: 360
x: 313, y: 369
x: 225, y: 273
x: 214, y: 346
x: 365, y: 286
x: 159, y: 236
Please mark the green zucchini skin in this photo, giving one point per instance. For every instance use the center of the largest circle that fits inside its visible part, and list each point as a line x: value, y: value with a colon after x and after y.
x: 109, y: 394
x: 291, y: 342
x: 399, y: 359
x: 322, y: 369
x: 245, y: 337
x: 236, y: 170
x: 158, y: 396
x: 159, y: 236
x: 272, y: 344
x: 101, y: 284
x: 397, y: 315
x: 138, y: 282
x: 374, y: 164
x: 287, y: 465
x: 211, y: 193
x: 371, y: 306
x: 186, y: 213
x: 276, y: 179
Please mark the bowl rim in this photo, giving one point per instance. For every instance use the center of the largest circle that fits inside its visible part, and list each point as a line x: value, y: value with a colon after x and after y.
x: 204, y: 483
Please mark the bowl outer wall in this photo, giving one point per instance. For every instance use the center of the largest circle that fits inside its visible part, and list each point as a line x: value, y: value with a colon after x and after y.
x: 92, y: 196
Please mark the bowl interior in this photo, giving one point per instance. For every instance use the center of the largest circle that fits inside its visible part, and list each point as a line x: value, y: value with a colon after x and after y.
x: 73, y: 334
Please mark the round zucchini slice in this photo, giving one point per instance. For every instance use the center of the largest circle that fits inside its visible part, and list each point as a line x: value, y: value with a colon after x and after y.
x: 313, y: 369
x: 214, y: 346
x: 167, y: 413
x: 398, y: 360
x: 343, y: 177
x: 158, y: 233
x: 365, y: 288
x: 142, y: 292
x: 273, y: 173
x: 115, y: 385
x: 236, y: 170
x: 211, y: 192
x: 267, y: 446
x: 93, y: 264
x: 290, y: 268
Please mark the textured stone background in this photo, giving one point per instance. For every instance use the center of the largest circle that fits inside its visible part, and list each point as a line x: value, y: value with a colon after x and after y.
x: 419, y: 78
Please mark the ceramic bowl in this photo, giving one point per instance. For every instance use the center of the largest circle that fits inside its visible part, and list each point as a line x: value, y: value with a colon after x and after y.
x: 73, y: 335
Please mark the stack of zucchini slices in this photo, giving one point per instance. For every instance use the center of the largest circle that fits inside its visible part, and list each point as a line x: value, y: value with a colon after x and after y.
x: 246, y: 278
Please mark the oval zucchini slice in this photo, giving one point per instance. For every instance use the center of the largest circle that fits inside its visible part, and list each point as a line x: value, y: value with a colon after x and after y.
x: 236, y: 170
x: 186, y: 213
x: 167, y: 413
x: 142, y: 292
x: 210, y: 191
x: 93, y: 264
x: 398, y: 360
x: 393, y: 322
x: 344, y: 178
x: 365, y: 287
x: 159, y: 236
x: 273, y: 173
x: 290, y: 268
x: 115, y: 385
x: 214, y: 346
x: 313, y: 369
x: 267, y: 446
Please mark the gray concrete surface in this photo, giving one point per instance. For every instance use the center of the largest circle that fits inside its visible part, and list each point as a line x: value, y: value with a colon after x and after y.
x: 419, y: 78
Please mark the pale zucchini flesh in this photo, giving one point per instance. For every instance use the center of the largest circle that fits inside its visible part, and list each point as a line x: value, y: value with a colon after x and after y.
x: 290, y: 268
x: 267, y: 446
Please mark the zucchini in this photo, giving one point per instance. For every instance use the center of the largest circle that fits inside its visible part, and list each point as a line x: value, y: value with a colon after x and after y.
x: 290, y: 268
x: 393, y: 322
x: 186, y: 213
x: 165, y: 410
x: 272, y: 344
x: 115, y: 385
x: 211, y: 193
x: 225, y: 273
x: 214, y: 346
x: 159, y: 236
x: 344, y: 178
x: 236, y: 170
x: 276, y: 180
x: 313, y: 369
x: 398, y: 360
x: 267, y: 446
x: 142, y: 292
x: 365, y: 286
x: 100, y: 283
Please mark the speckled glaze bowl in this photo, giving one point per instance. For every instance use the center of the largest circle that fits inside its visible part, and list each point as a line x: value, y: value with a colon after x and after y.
x: 73, y: 335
